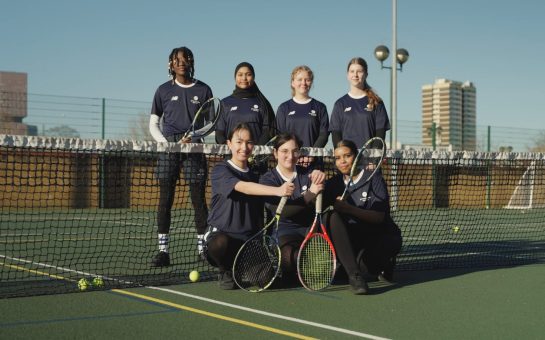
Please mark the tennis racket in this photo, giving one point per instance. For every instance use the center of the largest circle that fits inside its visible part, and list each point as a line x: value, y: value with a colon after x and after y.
x: 205, y: 119
x: 261, y: 158
x: 257, y: 263
x: 317, y: 260
x: 369, y: 160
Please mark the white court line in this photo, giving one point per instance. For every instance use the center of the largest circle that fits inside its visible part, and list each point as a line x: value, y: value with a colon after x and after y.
x: 273, y: 315
x: 226, y: 304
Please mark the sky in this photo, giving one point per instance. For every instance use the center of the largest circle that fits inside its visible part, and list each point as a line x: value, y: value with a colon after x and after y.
x: 119, y: 49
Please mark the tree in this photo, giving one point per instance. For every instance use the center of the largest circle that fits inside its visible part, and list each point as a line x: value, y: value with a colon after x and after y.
x: 139, y: 127
x: 62, y: 131
x: 539, y: 143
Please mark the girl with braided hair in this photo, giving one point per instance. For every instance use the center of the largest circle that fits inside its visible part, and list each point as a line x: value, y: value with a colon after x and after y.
x: 175, y: 104
x: 360, y: 114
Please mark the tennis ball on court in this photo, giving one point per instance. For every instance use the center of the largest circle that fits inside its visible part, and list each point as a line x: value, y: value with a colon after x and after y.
x: 194, y: 276
x: 456, y: 229
x: 98, y: 282
x: 83, y: 284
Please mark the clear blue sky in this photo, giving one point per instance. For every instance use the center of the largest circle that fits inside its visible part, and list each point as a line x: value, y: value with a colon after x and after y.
x: 119, y: 49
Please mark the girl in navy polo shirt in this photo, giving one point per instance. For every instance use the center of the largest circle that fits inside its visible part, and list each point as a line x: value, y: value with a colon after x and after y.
x: 298, y: 213
x: 236, y: 206
x: 360, y: 114
x: 365, y: 237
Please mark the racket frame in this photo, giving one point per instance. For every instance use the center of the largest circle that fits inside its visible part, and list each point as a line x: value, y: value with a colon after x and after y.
x: 365, y: 148
x: 312, y: 233
x: 207, y: 128
x: 265, y: 239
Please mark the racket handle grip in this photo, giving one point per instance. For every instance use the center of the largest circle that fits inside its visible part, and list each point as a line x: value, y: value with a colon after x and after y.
x: 319, y: 200
x: 283, y: 200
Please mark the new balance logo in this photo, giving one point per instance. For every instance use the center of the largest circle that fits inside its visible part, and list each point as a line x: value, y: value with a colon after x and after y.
x: 291, y: 113
x: 348, y: 109
x: 174, y: 98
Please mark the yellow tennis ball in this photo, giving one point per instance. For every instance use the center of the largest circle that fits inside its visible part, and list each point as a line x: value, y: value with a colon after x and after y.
x: 98, y: 282
x: 194, y: 276
x: 83, y: 284
x: 456, y: 229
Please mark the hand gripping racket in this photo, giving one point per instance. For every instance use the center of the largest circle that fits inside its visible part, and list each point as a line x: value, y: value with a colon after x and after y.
x: 257, y: 263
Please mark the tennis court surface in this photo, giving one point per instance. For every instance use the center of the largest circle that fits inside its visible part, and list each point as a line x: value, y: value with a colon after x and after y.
x: 72, y: 209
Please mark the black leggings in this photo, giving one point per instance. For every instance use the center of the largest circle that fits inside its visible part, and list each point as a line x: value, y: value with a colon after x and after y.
x: 289, y: 249
x: 221, y: 250
x: 166, y: 199
x: 350, y: 239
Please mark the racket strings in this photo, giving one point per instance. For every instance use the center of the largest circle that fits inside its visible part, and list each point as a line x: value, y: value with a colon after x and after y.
x: 316, y: 263
x: 257, y: 264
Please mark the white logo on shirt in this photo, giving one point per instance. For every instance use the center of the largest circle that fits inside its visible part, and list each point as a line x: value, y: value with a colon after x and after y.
x: 291, y: 113
x: 368, y: 108
x: 174, y: 98
x: 312, y: 113
x: 195, y: 100
x: 348, y: 109
x: 234, y: 108
x: 255, y: 108
x: 364, y: 197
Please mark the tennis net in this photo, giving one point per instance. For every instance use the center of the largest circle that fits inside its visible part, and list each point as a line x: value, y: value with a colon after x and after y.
x: 73, y: 209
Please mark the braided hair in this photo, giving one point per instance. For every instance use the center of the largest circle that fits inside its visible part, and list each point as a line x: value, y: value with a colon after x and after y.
x: 173, y: 57
x: 374, y: 99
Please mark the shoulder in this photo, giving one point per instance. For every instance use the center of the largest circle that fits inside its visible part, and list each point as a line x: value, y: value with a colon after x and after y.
x: 270, y: 177
x: 318, y: 103
x: 165, y: 86
x: 201, y: 84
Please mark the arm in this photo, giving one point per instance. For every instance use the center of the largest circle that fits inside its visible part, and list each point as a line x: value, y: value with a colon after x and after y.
x: 256, y: 189
x: 321, y: 141
x: 367, y: 216
x: 264, y: 138
x: 220, y: 137
x: 154, y: 129
x: 336, y: 137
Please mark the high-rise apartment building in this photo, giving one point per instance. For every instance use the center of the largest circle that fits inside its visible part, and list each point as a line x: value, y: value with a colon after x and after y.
x: 451, y: 105
x: 13, y: 104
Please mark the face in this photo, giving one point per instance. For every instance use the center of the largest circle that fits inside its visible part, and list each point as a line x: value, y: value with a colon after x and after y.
x: 241, y: 146
x: 301, y: 83
x: 356, y: 75
x: 180, y: 65
x: 244, y: 77
x: 344, y: 159
x: 287, y: 155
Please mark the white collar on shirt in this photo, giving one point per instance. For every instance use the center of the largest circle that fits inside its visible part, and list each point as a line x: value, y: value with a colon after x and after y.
x: 284, y: 177
x: 237, y: 167
x: 183, y: 85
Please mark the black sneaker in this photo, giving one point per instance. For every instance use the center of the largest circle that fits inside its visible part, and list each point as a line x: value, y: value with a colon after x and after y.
x: 358, y: 285
x: 364, y: 271
x: 162, y: 259
x: 387, y: 275
x: 225, y: 280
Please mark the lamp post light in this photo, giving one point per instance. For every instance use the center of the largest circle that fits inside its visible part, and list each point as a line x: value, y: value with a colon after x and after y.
x: 402, y: 55
x: 382, y: 53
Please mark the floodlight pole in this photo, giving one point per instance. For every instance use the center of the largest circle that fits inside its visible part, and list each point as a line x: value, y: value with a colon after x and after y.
x: 400, y: 57
x: 393, y: 141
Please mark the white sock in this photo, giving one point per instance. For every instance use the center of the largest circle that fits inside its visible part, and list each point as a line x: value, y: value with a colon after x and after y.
x: 163, y: 242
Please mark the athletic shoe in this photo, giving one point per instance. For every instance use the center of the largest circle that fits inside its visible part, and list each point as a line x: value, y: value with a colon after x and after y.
x: 162, y: 259
x: 387, y: 275
x: 358, y: 285
x: 225, y: 280
x: 364, y: 271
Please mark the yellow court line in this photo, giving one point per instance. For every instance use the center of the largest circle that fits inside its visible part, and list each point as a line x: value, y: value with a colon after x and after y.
x: 213, y: 315
x: 170, y: 304
x: 58, y: 277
